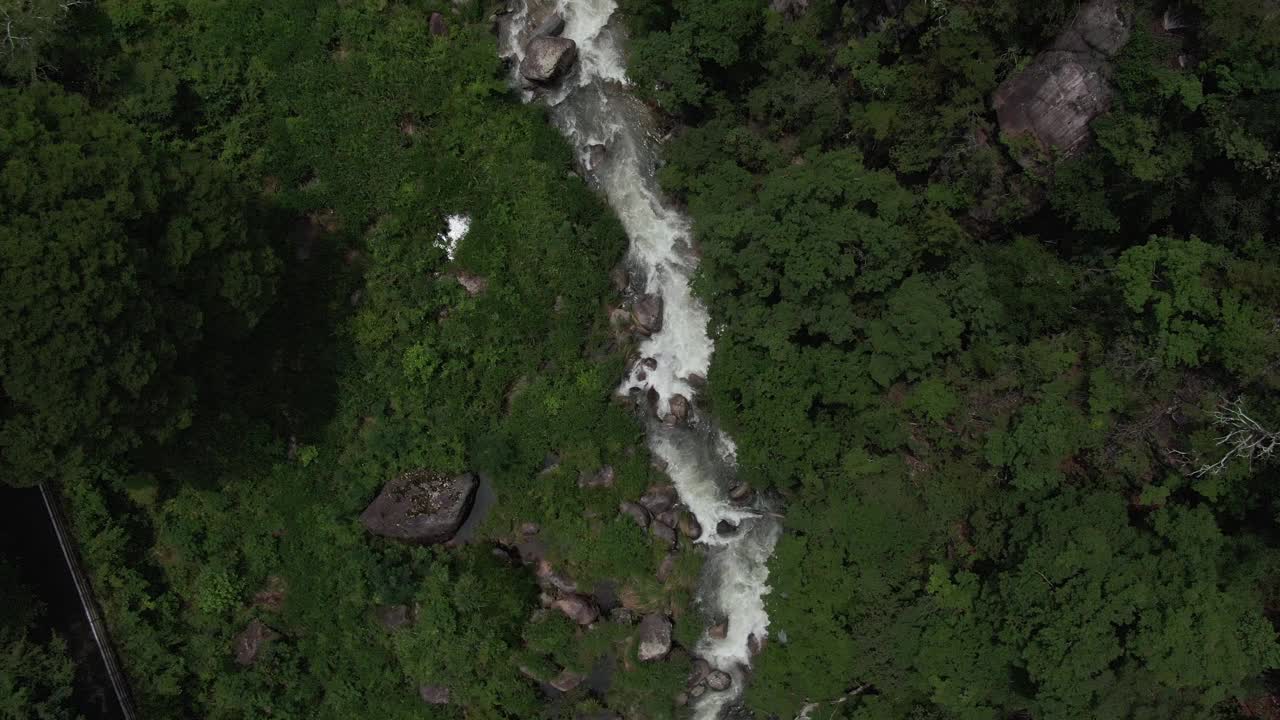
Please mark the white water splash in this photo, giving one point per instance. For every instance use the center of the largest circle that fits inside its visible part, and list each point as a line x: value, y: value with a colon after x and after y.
x: 592, y: 107
x: 459, y: 226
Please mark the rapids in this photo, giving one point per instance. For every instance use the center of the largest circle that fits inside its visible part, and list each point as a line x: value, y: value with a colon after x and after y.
x: 593, y: 106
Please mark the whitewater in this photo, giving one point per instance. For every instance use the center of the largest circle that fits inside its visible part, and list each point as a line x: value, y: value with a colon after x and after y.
x: 592, y: 107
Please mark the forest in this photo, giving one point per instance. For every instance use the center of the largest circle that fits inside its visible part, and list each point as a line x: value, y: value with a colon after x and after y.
x: 1017, y: 403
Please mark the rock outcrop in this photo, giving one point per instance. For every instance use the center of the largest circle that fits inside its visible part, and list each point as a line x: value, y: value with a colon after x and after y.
x: 547, y: 59
x: 1055, y: 99
x: 250, y: 642
x: 421, y: 507
x: 636, y: 512
x: 601, y: 478
x: 654, y: 638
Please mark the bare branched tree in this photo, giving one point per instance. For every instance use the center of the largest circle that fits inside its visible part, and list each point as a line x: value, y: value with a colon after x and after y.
x: 1245, y: 437
x: 26, y: 27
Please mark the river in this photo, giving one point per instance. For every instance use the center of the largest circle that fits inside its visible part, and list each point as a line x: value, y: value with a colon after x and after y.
x: 594, y: 106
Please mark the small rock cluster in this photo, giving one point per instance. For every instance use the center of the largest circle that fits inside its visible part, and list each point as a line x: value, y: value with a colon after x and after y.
x: 659, y: 512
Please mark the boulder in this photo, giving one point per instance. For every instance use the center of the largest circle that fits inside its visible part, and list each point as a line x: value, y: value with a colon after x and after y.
x: 1056, y: 98
x: 698, y: 690
x: 421, y: 507
x: 636, y: 512
x: 646, y: 314
x: 698, y: 672
x: 549, y: 578
x: 434, y: 694
x: 566, y: 681
x: 724, y: 528
x: 740, y: 493
x: 689, y: 526
x: 754, y: 644
x: 547, y: 59
x: 659, y: 499
x: 439, y: 26
x: 601, y: 478
x: 577, y: 608
x: 250, y: 641
x: 719, y: 631
x: 595, y: 158
x: 719, y: 680
x: 622, y: 616
x: 473, y: 284
x: 654, y: 638
x: 393, y: 617
x: 552, y: 26
x: 663, y: 534
x: 679, y: 407
x: 670, y: 518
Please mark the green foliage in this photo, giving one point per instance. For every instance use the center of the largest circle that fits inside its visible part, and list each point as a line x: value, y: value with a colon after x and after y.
x: 118, y: 264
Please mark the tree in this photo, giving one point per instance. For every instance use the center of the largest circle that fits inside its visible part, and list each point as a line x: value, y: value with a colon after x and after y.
x: 120, y: 266
x: 27, y: 27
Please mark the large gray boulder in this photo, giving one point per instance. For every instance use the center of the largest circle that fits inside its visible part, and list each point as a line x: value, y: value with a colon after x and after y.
x: 1065, y: 88
x: 548, y: 58
x: 646, y: 314
x: 577, y: 608
x: 421, y: 507
x: 655, y: 638
x: 250, y: 641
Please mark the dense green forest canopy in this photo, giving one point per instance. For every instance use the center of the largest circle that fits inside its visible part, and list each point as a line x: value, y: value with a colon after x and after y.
x: 985, y: 383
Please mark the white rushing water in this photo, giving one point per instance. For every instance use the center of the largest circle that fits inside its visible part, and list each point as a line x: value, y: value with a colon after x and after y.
x: 593, y: 107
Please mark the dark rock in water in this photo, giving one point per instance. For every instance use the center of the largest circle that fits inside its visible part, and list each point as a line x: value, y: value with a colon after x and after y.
x: 646, y: 314
x: 719, y: 631
x: 651, y: 363
x: 439, y: 26
x: 421, y: 507
x: 566, y: 681
x: 651, y: 401
x: 682, y: 699
x: 434, y: 694
x: 659, y: 499
x: 654, y: 638
x: 663, y: 533
x: 595, y: 158
x: 547, y: 59
x: 679, y: 407
x: 636, y: 512
x: 699, y: 671
x: 698, y: 690
x: 601, y: 478
x: 754, y: 644
x: 689, y: 526
x: 719, y: 680
x: 250, y: 641
x: 552, y: 26
x: 393, y: 617
x: 577, y: 608
x: 725, y: 528
x: 740, y: 493
x: 1056, y: 98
